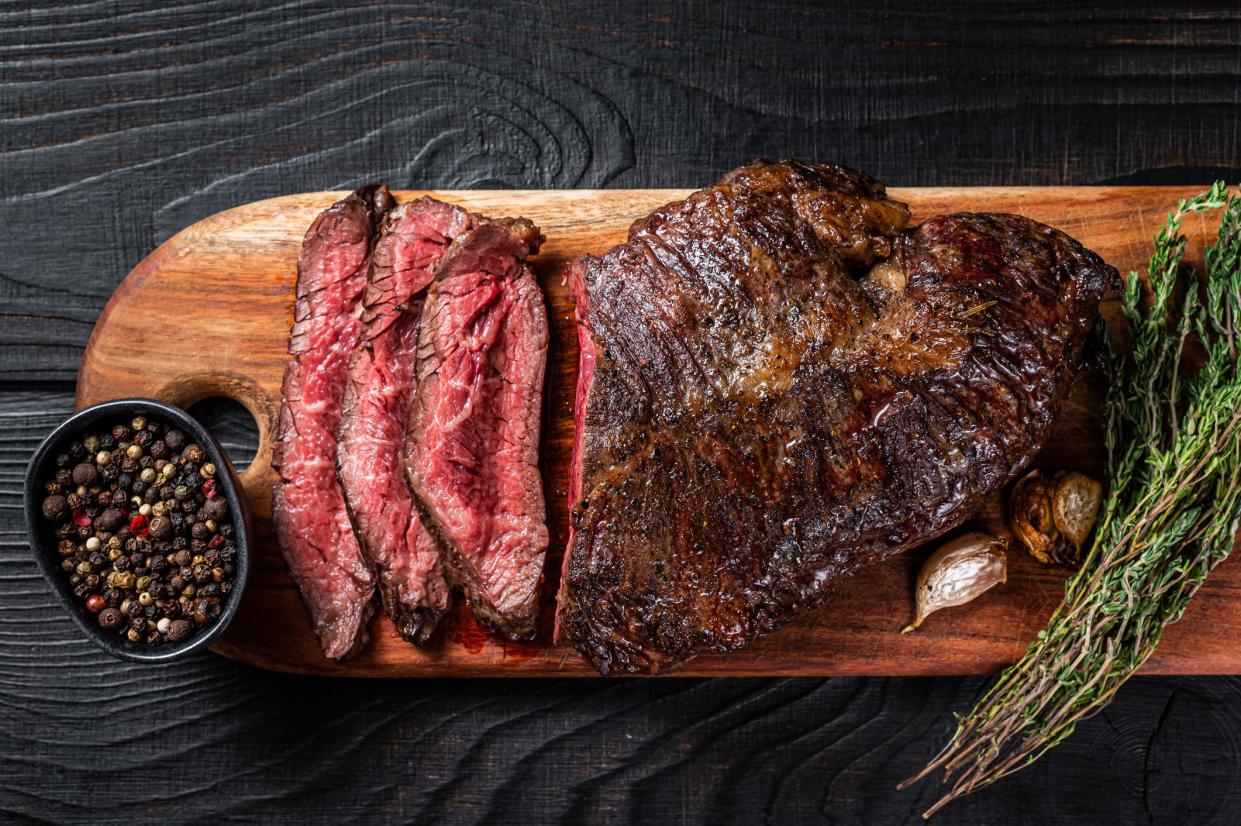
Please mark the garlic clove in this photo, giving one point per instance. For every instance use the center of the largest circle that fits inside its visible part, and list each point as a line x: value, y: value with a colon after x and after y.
x: 1075, y: 501
x: 957, y: 573
x: 1054, y: 517
x: 1030, y: 516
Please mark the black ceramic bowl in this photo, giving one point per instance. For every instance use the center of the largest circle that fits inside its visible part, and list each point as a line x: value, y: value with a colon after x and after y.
x: 43, y: 541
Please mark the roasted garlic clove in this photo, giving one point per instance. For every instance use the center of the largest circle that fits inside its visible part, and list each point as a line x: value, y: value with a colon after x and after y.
x: 1053, y: 517
x: 1030, y: 516
x: 959, y: 571
x: 1075, y: 502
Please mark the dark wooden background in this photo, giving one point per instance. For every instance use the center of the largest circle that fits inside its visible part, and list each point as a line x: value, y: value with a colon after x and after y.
x: 120, y: 123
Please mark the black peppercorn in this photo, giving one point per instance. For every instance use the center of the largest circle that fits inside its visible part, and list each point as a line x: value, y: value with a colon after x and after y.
x: 216, y: 508
x: 174, y: 438
x: 143, y: 438
x: 158, y: 450
x: 62, y: 460
x: 55, y: 507
x: 109, y: 520
x: 64, y: 477
x: 178, y: 630
x: 110, y: 619
x: 85, y: 474
x: 161, y: 527
x: 106, y: 442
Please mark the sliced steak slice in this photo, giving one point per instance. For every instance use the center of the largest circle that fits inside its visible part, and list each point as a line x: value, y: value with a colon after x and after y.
x: 472, y: 447
x: 780, y: 384
x: 371, y: 463
x: 312, y: 525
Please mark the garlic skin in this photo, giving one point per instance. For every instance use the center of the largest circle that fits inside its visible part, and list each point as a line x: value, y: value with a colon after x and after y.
x: 1054, y: 517
x: 957, y: 573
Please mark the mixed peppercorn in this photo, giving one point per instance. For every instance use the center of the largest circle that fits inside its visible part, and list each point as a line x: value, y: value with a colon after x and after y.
x: 145, y: 537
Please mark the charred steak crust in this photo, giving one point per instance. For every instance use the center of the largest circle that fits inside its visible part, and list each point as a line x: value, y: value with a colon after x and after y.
x: 370, y: 461
x: 473, y: 437
x: 308, y: 509
x: 780, y: 384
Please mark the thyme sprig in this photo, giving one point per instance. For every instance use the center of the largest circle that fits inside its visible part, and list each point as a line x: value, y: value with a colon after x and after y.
x: 1172, y: 512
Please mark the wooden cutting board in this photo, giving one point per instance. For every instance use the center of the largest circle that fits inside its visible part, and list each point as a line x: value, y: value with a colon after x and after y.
x: 208, y: 314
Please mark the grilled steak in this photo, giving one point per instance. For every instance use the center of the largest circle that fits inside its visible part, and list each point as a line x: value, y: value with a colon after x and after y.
x: 308, y: 509
x: 370, y: 463
x: 778, y: 384
x: 473, y: 437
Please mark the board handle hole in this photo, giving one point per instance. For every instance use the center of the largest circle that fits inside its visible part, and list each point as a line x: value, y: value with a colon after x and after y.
x: 247, y: 419
x: 233, y: 426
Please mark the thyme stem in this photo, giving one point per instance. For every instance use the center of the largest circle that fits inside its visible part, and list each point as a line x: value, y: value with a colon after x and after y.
x: 1172, y: 512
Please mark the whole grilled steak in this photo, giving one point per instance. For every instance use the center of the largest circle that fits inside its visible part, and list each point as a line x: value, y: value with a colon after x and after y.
x: 370, y: 463
x: 779, y: 384
x: 473, y: 438
x: 311, y: 522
